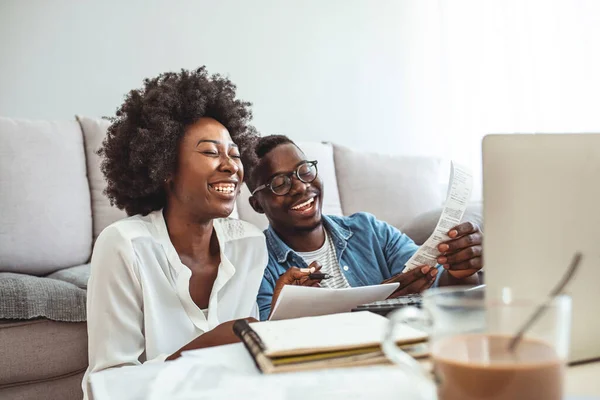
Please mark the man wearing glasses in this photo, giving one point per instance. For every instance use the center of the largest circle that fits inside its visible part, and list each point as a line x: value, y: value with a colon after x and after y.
x: 355, y: 250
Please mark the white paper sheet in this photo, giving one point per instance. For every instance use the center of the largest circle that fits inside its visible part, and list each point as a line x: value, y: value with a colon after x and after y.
x: 302, y: 301
x: 190, y: 380
x: 459, y: 193
x: 125, y: 383
x: 342, y: 331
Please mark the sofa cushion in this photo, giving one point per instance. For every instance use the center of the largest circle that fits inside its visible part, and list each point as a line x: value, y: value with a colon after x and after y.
x: 421, y: 227
x: 46, y: 219
x: 323, y: 153
x: 393, y: 188
x: 25, y: 296
x: 41, y: 349
x: 78, y: 275
x: 94, y: 132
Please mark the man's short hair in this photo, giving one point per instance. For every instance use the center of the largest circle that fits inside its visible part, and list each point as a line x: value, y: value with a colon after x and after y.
x: 261, y: 148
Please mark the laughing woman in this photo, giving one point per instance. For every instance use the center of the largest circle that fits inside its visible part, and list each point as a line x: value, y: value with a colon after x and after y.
x: 171, y: 276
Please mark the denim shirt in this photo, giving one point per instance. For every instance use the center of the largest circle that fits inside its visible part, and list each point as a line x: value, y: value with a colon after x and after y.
x: 368, y: 251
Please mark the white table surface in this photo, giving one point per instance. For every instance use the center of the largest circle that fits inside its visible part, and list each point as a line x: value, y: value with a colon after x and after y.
x: 132, y: 383
x: 584, y: 380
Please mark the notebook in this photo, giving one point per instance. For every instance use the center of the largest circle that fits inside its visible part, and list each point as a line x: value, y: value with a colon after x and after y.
x: 328, y: 341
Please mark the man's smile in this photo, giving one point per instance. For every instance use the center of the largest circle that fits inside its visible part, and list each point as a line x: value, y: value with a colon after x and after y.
x: 305, y: 207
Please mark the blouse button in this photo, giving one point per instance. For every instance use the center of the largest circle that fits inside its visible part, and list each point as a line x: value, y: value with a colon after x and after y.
x: 346, y: 268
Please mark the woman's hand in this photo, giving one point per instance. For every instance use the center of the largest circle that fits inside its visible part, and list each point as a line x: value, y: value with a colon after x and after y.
x: 221, y: 334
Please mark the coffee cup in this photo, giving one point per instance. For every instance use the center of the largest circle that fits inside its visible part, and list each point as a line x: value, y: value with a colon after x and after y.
x: 469, y: 335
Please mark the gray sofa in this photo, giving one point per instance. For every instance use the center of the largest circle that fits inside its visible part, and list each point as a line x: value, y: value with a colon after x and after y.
x: 52, y: 208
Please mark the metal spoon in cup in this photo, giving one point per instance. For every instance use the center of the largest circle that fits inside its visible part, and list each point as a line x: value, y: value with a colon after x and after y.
x: 514, y: 342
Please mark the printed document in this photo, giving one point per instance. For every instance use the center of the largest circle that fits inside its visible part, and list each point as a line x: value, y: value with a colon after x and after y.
x: 459, y: 193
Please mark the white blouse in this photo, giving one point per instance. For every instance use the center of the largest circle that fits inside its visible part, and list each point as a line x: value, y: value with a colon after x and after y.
x: 139, y: 306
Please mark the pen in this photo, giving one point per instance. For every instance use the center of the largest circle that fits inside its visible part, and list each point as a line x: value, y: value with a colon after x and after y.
x: 319, y: 276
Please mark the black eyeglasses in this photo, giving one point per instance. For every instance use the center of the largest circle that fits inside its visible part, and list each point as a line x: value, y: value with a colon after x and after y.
x: 281, y: 184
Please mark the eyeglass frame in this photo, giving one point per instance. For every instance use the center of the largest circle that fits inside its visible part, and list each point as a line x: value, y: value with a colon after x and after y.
x: 289, y: 176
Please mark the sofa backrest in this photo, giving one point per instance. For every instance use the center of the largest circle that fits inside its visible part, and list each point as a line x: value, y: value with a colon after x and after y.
x: 394, y: 188
x: 52, y: 204
x: 45, y: 216
x: 94, y: 132
x: 103, y: 214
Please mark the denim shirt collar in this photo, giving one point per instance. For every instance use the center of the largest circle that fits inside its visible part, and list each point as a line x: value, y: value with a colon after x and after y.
x: 339, y: 233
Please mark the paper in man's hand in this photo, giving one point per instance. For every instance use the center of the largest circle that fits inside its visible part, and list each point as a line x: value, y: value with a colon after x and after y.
x: 459, y: 193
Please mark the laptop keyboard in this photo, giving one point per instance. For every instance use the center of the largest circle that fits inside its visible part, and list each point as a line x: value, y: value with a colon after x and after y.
x: 384, y: 307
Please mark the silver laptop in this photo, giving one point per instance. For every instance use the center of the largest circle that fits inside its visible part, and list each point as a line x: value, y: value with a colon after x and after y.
x: 541, y: 198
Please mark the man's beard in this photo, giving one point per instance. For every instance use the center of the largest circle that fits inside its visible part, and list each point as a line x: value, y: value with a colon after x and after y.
x: 309, y: 228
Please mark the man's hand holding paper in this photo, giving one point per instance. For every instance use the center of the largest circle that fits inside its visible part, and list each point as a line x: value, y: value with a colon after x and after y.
x: 455, y: 245
x: 414, y: 281
x: 462, y: 255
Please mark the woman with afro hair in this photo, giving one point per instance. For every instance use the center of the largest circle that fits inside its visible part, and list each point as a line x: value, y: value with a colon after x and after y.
x: 176, y: 273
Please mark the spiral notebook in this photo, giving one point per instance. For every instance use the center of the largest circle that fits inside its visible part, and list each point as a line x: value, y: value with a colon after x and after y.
x: 328, y: 341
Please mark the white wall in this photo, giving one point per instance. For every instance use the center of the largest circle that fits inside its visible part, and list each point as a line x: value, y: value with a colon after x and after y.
x: 317, y: 70
x: 518, y: 66
x: 427, y: 77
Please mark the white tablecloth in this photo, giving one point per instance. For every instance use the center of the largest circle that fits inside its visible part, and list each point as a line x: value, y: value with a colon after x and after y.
x: 227, y: 372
